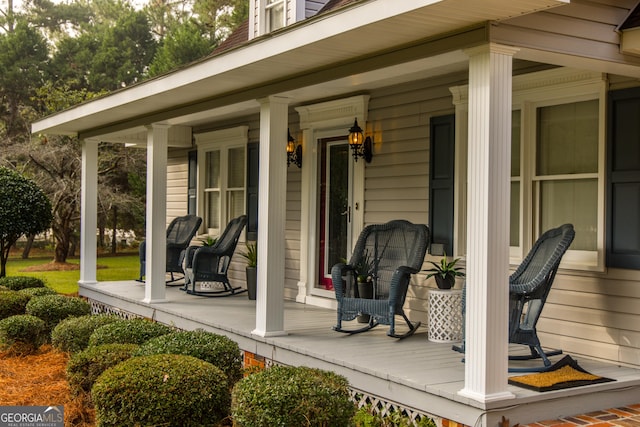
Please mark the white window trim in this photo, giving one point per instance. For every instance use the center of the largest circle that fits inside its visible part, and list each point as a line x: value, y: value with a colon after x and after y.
x: 531, y: 91
x: 222, y: 140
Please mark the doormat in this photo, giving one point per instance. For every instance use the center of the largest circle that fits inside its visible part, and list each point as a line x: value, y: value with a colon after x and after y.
x: 564, y: 374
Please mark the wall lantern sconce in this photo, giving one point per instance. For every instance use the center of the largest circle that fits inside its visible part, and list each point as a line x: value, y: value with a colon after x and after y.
x: 294, y: 153
x: 360, y: 146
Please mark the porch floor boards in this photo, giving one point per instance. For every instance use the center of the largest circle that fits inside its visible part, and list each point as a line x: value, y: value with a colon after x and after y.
x: 413, y: 372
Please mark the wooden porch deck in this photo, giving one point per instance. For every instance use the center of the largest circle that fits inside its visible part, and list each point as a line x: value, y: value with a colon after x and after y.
x: 413, y: 373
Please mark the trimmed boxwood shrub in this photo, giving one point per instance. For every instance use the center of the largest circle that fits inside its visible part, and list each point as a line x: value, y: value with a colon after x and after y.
x: 55, y: 308
x: 22, y: 334
x: 15, y: 283
x: 37, y: 292
x: 163, y: 389
x: 129, y: 331
x: 86, y: 366
x: 72, y: 334
x: 219, y: 350
x: 12, y: 303
x: 292, y: 396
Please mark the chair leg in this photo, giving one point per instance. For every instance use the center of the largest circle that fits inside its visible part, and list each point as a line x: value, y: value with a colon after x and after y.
x: 412, y: 328
x: 372, y: 324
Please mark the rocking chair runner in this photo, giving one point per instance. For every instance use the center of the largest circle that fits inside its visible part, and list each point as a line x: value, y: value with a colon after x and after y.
x: 179, y: 234
x: 396, y: 251
x: 211, y: 263
x: 529, y: 287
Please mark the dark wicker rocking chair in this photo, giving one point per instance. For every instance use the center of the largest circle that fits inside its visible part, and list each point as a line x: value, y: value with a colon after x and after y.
x: 179, y: 234
x: 396, y: 251
x: 529, y: 287
x: 211, y: 263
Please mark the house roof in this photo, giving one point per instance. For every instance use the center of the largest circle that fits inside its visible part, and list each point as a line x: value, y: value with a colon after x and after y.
x: 323, y: 56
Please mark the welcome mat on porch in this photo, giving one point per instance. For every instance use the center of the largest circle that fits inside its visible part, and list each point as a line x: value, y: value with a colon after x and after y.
x: 564, y: 374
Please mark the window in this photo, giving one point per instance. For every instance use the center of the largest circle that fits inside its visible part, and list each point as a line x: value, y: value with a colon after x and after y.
x: 274, y: 14
x: 557, y: 169
x: 557, y: 161
x: 221, y: 177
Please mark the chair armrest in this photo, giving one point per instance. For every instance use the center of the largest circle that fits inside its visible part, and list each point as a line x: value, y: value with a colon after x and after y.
x: 400, y: 283
x: 337, y: 271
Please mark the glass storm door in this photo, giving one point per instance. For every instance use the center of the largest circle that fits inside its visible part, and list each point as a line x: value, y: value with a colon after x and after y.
x: 335, y: 207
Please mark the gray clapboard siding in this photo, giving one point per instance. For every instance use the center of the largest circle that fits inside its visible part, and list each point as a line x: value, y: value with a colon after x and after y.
x: 583, y: 28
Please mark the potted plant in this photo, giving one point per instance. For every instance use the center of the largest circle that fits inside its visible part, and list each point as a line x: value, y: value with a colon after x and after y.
x: 251, y: 255
x: 364, y: 278
x: 209, y: 241
x: 445, y: 272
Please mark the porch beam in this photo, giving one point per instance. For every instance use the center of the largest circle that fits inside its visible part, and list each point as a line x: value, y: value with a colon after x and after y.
x: 489, y: 161
x: 156, y: 235
x: 272, y: 196
x: 88, y: 212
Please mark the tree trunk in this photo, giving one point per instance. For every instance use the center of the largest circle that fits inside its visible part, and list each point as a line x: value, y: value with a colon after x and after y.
x: 62, y: 248
x: 114, y: 228
x: 28, y: 246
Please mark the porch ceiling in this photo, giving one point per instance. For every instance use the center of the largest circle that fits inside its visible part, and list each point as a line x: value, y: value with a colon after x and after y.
x: 367, y: 45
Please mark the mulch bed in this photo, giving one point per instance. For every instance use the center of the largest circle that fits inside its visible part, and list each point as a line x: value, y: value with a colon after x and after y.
x: 39, y: 380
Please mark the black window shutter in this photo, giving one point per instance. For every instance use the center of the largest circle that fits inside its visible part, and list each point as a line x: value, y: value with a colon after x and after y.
x: 441, y: 178
x: 252, y: 190
x: 623, y: 179
x: 193, y: 182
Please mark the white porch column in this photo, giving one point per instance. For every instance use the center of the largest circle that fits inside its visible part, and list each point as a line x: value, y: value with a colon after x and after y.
x: 156, y: 239
x: 486, y: 323
x: 88, y: 212
x: 272, y: 196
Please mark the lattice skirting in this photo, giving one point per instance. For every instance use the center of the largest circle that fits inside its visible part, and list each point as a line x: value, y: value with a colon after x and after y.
x: 385, y: 407
x: 359, y: 397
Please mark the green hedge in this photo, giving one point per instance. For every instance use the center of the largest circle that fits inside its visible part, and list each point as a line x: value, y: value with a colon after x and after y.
x: 55, y: 308
x: 15, y: 283
x: 129, y: 331
x: 86, y: 366
x: 72, y: 334
x: 37, y: 292
x: 291, y: 397
x: 163, y: 389
x: 12, y: 303
x: 22, y: 334
x: 219, y: 350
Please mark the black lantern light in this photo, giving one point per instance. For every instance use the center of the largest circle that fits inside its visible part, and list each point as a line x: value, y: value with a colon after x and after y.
x: 360, y: 146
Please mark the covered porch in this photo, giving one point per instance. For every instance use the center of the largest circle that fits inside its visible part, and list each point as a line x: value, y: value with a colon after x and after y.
x: 414, y: 374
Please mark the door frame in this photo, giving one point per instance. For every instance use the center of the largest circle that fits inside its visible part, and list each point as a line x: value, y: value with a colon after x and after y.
x: 323, y: 216
x: 319, y: 121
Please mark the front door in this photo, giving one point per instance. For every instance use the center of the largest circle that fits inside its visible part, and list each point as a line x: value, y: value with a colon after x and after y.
x: 336, y: 213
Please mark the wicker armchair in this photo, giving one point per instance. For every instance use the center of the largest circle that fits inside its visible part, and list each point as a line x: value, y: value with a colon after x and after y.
x: 179, y: 234
x: 211, y: 263
x: 396, y: 251
x: 529, y: 287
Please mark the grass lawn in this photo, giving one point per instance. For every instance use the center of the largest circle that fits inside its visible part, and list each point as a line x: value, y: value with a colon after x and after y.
x: 121, y: 267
